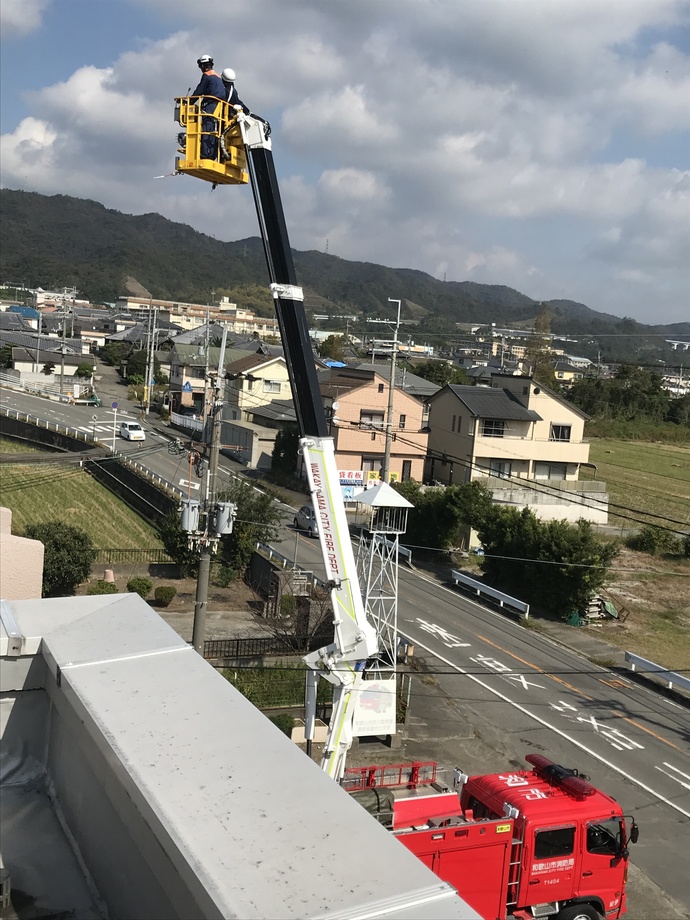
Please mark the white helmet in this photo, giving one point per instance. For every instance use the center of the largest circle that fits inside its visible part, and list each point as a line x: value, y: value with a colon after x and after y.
x: 228, y: 75
x: 205, y: 59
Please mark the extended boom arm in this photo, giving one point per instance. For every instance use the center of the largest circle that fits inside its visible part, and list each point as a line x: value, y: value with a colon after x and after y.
x: 342, y: 662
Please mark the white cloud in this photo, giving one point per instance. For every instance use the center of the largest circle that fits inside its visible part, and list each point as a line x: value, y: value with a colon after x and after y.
x: 21, y: 17
x: 478, y: 140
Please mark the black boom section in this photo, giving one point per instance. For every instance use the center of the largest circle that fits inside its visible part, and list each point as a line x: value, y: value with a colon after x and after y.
x: 292, y: 319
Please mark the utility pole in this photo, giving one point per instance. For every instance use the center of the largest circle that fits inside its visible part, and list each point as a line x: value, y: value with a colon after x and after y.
x: 64, y: 340
x: 148, y: 383
x: 218, y: 517
x: 391, y: 389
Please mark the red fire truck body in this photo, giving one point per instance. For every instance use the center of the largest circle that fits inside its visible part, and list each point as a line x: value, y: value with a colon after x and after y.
x: 525, y: 843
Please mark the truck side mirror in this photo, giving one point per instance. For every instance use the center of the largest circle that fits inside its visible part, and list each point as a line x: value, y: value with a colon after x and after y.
x: 634, y: 833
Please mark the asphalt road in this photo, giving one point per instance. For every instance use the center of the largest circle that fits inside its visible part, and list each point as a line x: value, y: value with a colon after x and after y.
x: 518, y: 692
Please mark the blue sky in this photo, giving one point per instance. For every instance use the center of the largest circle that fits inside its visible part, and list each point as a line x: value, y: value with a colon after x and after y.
x: 540, y: 144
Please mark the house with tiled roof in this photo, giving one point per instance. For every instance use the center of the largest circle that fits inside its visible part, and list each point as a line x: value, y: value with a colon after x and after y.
x: 356, y: 403
x: 525, y: 440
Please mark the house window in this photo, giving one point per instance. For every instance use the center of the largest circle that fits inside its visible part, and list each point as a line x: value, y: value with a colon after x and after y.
x: 550, y: 470
x: 452, y: 427
x: 371, y: 465
x: 560, y: 433
x: 369, y: 419
x: 560, y: 375
x: 406, y: 470
x: 401, y: 421
x: 500, y: 468
x: 493, y: 428
x: 525, y: 391
x: 271, y: 386
x: 381, y: 387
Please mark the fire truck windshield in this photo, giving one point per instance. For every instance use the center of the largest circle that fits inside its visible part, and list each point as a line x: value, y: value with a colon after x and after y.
x: 605, y: 837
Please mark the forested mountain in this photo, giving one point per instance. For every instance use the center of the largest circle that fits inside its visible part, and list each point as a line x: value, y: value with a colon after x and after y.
x: 57, y: 241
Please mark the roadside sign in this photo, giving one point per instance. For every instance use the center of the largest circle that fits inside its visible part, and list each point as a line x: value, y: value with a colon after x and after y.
x: 114, y: 404
x: 187, y: 387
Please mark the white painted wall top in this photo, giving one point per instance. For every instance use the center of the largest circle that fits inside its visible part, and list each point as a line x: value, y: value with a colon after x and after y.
x: 238, y: 809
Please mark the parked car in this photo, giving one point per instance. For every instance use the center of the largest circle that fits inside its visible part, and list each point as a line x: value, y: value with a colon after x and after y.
x: 305, y: 520
x: 132, y: 431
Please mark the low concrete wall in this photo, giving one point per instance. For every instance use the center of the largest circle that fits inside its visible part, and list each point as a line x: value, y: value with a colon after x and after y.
x: 142, y: 496
x: 548, y: 505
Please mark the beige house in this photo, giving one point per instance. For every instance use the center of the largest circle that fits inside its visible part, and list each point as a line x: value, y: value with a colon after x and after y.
x: 356, y: 402
x: 515, y: 431
x: 253, y: 381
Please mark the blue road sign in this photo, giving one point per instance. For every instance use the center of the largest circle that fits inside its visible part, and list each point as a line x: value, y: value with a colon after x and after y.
x: 187, y: 387
x: 114, y: 404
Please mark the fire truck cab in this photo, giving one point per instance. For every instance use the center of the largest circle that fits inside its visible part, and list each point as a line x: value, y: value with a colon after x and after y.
x: 570, y: 845
x: 527, y: 843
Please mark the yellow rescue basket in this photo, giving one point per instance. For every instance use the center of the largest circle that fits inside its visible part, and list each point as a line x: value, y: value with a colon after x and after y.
x: 211, y: 145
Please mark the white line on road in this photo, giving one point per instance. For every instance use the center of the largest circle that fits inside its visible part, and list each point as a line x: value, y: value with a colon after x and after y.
x: 553, y: 728
x: 676, y: 770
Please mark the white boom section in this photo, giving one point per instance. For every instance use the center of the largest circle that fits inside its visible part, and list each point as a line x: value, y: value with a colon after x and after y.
x: 355, y: 638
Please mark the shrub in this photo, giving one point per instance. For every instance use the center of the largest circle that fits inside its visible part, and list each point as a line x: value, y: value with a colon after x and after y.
x: 686, y: 545
x: 284, y: 722
x: 69, y: 555
x: 288, y: 605
x: 102, y: 587
x: 653, y: 540
x: 164, y: 595
x: 224, y: 575
x: 140, y: 585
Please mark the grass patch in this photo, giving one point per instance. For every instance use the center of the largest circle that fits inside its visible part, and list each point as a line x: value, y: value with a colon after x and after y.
x: 56, y: 492
x: 652, y: 478
x: 9, y: 446
x: 654, y: 594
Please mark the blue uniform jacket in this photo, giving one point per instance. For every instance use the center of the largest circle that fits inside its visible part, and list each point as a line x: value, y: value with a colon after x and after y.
x: 210, y: 85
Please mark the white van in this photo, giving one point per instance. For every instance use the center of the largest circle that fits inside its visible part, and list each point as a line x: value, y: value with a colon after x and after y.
x: 132, y: 431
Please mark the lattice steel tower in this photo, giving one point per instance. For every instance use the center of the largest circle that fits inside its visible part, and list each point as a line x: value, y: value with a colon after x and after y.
x: 377, y: 564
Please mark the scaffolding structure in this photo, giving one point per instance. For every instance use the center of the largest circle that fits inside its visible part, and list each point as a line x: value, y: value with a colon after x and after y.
x: 377, y: 561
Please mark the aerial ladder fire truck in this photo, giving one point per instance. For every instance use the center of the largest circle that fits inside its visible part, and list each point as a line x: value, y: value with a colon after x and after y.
x: 527, y: 844
x: 242, y: 147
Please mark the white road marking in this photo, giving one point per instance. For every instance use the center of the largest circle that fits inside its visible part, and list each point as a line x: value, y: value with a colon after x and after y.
x: 448, y: 639
x: 671, y: 775
x: 521, y: 679
x: 553, y: 728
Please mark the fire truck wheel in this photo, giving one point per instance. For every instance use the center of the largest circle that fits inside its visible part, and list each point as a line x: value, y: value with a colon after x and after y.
x: 578, y: 912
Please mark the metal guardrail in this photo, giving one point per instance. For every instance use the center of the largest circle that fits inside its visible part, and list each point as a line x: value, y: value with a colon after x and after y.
x: 479, y: 588
x: 669, y: 677
x: 132, y: 555
x: 250, y: 647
